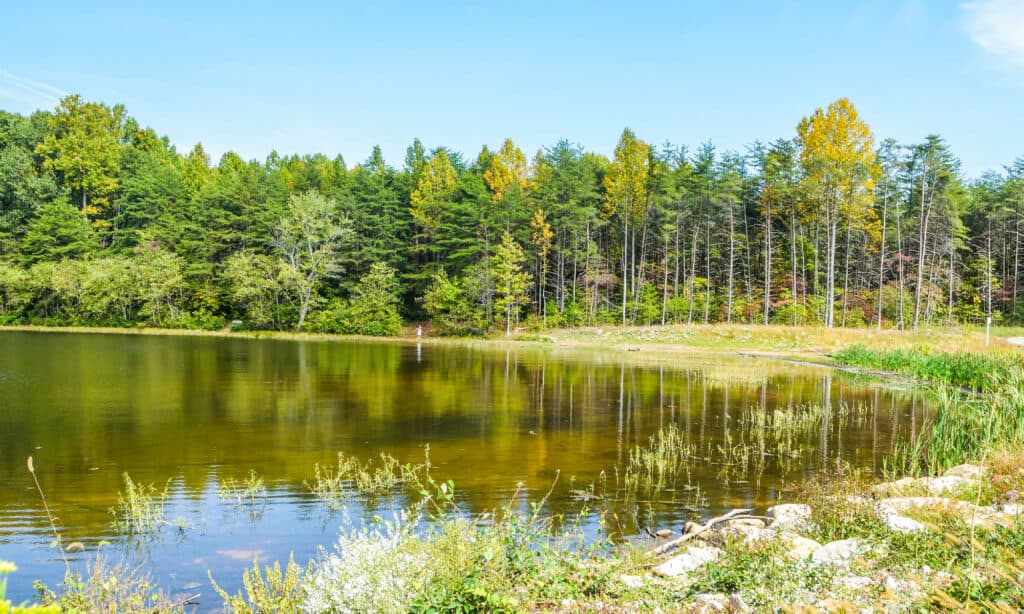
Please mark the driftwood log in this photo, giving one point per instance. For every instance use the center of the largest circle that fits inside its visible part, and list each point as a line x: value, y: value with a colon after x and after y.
x: 669, y: 545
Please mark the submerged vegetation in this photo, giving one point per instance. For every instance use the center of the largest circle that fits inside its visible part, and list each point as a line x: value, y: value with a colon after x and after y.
x: 246, y: 492
x: 333, y: 485
x: 140, y: 508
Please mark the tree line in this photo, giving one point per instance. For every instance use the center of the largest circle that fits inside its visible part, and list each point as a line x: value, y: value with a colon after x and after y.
x: 103, y: 222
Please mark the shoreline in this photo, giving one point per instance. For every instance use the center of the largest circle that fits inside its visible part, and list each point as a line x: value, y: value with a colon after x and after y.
x: 798, y: 343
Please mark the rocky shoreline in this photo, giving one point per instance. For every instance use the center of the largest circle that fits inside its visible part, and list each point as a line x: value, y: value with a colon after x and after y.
x: 858, y: 575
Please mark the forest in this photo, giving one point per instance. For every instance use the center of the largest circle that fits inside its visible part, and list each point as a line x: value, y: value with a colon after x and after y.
x: 105, y: 223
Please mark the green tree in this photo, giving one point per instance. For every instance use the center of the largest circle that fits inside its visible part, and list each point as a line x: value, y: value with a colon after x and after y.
x: 58, y: 233
x: 255, y: 289
x: 373, y: 306
x: 84, y: 148
x: 449, y: 307
x: 307, y: 239
x: 510, y: 281
x: 625, y: 187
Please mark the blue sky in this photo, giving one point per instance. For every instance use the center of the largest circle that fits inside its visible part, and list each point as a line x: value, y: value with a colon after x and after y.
x: 339, y: 77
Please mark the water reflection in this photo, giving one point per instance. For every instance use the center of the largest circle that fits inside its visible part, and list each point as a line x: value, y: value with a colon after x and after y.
x: 197, y: 409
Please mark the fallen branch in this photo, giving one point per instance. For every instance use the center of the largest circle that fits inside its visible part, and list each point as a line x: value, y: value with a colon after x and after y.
x: 704, y: 527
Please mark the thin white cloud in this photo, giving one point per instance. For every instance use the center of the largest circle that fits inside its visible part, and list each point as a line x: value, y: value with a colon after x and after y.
x: 28, y: 91
x: 997, y: 26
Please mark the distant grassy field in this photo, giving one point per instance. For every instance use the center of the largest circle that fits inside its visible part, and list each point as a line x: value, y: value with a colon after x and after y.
x: 781, y: 339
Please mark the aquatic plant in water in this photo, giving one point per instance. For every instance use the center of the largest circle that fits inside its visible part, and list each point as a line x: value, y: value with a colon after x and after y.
x: 334, y: 484
x: 248, y: 491
x: 139, y: 509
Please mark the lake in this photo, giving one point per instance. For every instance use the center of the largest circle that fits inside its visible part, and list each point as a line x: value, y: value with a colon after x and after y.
x: 190, y: 411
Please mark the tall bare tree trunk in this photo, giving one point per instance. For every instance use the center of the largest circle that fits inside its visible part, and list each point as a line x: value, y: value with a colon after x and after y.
x: 732, y: 258
x: 922, y: 248
x: 767, y: 260
x: 881, y: 253
x: 707, y: 286
x: 625, y: 260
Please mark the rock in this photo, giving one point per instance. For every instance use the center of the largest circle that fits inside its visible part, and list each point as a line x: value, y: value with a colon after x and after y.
x: 738, y: 605
x: 945, y: 485
x: 1013, y: 509
x: 789, y: 515
x: 970, y: 472
x: 798, y: 547
x: 943, y: 578
x: 694, y: 558
x: 690, y: 527
x: 632, y: 581
x: 711, y: 536
x: 706, y: 603
x: 802, y: 547
x: 900, y: 587
x: 756, y: 537
x: 756, y: 523
x: 902, y: 524
x: 840, y: 552
x: 743, y: 527
x: 972, y: 514
x: 663, y: 533
x: 835, y: 606
x: 856, y: 583
x: 739, y: 531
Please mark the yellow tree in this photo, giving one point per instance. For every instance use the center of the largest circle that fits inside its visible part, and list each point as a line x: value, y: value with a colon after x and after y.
x: 84, y: 146
x: 838, y: 160
x: 541, y: 237
x: 625, y: 186
x: 195, y: 170
x: 507, y: 169
x: 433, y: 192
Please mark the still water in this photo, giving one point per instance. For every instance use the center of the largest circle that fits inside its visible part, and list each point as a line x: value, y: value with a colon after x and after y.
x: 197, y: 410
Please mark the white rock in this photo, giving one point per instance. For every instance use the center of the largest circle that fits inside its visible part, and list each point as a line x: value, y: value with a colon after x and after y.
x: 802, y: 547
x: 631, y: 581
x: 838, y: 553
x: 902, y: 524
x: 756, y: 523
x: 1013, y: 509
x: 756, y: 537
x: 945, y: 485
x: 789, y: 514
x: 972, y: 514
x: 691, y: 560
x: 711, y: 602
x: 856, y: 583
x: 738, y: 605
x: 948, y: 484
x: 971, y: 472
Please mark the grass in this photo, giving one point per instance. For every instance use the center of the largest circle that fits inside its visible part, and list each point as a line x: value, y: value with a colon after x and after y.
x: 963, y: 428
x: 663, y: 464
x: 248, y: 491
x: 110, y: 588
x: 139, y: 509
x: 773, y: 339
x: 764, y: 435
x: 984, y: 372
x: 334, y: 484
x: 270, y: 590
